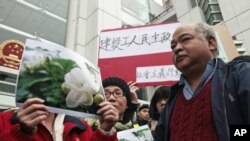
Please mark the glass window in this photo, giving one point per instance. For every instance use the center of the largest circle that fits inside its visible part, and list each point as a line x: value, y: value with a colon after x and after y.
x: 140, y: 12
x: 210, y: 20
x: 215, y: 7
x: 213, y: 0
x: 211, y: 11
x: 7, y: 87
x: 201, y: 2
x: 135, y: 12
x: 217, y: 16
x: 37, y: 19
x: 208, y: 13
x: 205, y: 7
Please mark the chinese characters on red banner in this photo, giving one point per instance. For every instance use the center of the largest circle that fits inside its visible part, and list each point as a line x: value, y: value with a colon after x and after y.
x: 141, y: 54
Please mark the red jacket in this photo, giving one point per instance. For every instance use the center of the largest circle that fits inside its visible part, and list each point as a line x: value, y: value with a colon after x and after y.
x: 74, y: 130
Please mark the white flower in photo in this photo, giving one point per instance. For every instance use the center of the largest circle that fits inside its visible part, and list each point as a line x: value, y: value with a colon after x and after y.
x: 36, y: 60
x: 82, y: 87
x: 32, y: 60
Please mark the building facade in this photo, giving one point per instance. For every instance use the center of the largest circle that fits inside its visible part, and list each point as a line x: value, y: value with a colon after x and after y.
x: 234, y: 14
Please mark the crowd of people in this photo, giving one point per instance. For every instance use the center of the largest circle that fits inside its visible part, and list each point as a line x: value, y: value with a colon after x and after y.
x: 209, y: 97
x: 32, y: 121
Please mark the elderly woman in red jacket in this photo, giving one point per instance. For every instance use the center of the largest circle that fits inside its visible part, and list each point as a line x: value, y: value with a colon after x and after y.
x: 33, y: 122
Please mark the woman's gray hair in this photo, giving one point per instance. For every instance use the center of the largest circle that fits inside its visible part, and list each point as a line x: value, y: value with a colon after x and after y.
x: 207, y: 32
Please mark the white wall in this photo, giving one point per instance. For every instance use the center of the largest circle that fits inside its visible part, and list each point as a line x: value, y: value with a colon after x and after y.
x: 94, y: 16
x: 86, y: 19
x: 194, y: 15
x: 182, y: 7
x: 236, y: 15
x: 155, y: 8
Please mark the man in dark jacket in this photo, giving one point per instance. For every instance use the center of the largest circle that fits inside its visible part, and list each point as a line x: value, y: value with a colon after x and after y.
x: 210, y: 95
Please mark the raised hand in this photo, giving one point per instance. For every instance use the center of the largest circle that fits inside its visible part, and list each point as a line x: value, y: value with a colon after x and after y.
x: 109, y: 116
x: 133, y: 89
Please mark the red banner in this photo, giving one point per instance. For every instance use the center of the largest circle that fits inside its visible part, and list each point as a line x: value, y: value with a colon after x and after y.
x: 141, y: 54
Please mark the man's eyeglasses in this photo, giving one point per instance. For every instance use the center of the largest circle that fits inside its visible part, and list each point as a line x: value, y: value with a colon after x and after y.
x: 115, y: 94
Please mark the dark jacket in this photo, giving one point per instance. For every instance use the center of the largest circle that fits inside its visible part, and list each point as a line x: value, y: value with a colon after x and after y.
x: 74, y: 130
x: 230, y: 97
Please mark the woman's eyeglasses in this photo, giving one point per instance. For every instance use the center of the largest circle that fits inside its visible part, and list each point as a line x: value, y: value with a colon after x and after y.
x: 116, y: 94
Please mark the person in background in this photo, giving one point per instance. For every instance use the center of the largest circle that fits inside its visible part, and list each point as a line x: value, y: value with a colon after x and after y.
x: 157, y: 103
x: 33, y: 122
x: 210, y: 95
x: 243, y: 58
x: 123, y: 96
x: 142, y: 116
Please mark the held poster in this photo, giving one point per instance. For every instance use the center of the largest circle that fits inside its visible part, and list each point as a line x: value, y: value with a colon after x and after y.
x: 141, y: 54
x: 67, y: 82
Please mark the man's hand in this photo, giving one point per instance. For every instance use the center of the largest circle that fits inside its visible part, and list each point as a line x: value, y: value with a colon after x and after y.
x: 133, y: 89
x: 30, y: 114
x: 109, y: 116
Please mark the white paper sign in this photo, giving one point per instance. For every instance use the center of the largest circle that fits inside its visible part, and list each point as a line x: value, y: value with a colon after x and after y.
x: 157, y: 73
x: 141, y: 133
x: 136, y: 41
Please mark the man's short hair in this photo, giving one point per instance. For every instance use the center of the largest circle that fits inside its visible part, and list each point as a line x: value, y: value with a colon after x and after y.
x: 207, y: 32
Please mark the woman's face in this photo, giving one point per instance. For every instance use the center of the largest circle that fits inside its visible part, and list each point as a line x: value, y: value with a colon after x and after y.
x: 116, y: 96
x: 160, y: 104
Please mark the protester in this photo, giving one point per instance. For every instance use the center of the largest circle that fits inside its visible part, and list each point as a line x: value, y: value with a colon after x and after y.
x: 142, y: 116
x: 157, y: 103
x: 33, y: 122
x: 124, y: 97
x: 210, y: 95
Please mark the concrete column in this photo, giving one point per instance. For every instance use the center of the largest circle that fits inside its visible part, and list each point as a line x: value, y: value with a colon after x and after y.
x: 70, y: 38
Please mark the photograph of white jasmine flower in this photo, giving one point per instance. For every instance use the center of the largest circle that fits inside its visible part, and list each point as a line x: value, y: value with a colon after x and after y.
x: 67, y: 82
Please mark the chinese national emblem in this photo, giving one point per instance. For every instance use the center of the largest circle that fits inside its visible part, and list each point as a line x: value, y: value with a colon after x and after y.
x: 11, y: 53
